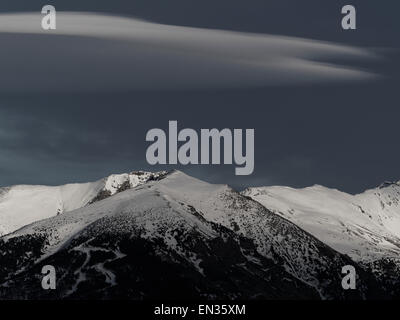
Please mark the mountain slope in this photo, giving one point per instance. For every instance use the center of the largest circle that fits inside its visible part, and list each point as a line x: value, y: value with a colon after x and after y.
x: 141, y: 244
x: 23, y: 204
x: 218, y: 242
x: 299, y: 252
x: 365, y: 226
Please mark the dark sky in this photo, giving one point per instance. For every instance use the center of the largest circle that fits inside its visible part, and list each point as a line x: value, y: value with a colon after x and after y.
x: 342, y: 134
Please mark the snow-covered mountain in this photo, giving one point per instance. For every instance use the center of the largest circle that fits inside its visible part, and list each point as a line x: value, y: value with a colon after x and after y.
x: 144, y: 242
x: 23, y: 204
x: 365, y: 226
x: 132, y: 235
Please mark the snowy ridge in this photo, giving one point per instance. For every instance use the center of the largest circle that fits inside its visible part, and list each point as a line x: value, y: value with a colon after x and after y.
x: 181, y: 201
x: 114, y: 182
x: 150, y: 219
x: 299, y: 253
x: 365, y: 226
x: 24, y: 204
x: 283, y: 242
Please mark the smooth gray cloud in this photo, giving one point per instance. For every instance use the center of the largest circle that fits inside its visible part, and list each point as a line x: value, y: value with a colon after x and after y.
x: 92, y: 52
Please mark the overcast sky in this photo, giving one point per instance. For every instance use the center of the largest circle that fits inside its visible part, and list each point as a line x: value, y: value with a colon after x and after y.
x: 75, y: 105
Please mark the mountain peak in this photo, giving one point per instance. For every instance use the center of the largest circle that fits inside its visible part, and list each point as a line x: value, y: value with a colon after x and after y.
x: 120, y: 182
x: 388, y: 184
x: 24, y: 204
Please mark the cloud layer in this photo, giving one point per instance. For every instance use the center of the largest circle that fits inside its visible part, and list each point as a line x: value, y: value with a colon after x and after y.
x: 93, y: 52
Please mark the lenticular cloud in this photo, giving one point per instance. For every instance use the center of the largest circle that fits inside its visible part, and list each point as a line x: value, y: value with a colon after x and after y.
x: 92, y: 52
